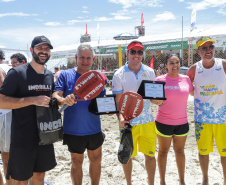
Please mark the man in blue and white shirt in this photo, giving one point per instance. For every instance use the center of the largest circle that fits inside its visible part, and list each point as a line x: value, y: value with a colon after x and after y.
x: 129, y: 78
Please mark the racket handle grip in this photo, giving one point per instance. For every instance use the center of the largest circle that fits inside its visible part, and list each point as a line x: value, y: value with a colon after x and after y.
x: 63, y: 108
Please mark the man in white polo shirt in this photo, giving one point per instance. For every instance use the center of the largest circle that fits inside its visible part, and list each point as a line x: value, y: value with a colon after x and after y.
x: 128, y: 78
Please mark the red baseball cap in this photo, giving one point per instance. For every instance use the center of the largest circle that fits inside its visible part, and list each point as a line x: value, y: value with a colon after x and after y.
x: 135, y: 44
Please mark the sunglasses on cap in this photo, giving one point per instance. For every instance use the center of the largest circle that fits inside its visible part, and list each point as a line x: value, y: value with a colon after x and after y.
x: 139, y: 52
x: 207, y: 47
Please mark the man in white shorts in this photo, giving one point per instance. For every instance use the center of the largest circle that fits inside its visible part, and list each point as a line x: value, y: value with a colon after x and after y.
x: 6, y: 115
x: 3, y: 71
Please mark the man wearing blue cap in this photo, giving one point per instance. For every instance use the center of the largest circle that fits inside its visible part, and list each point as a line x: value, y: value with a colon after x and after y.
x: 25, y: 87
x: 209, y: 78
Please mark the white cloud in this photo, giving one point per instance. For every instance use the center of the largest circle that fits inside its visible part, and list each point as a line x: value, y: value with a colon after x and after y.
x: 102, y: 19
x: 164, y: 17
x: 7, y: 1
x: 205, y: 4
x: 154, y: 3
x: 130, y: 3
x: 221, y: 11
x: 40, y: 20
x: 85, y: 11
x: 71, y: 22
x: 19, y: 14
x: 85, y: 7
x: 125, y: 3
x: 120, y: 17
x: 124, y: 12
x: 180, y: 1
x: 53, y: 24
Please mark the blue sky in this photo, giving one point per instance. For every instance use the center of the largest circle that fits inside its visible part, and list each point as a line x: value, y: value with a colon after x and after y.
x: 63, y: 22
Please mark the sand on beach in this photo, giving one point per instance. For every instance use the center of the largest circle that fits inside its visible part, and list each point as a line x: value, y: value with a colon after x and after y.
x: 112, y: 172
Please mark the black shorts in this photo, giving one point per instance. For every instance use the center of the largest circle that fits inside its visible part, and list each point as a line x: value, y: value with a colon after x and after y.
x: 24, y: 160
x: 78, y: 144
x: 170, y: 130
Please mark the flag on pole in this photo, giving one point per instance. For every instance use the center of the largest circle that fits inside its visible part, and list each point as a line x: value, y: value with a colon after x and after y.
x: 193, y: 20
x: 98, y: 27
x: 142, y: 19
x: 152, y: 63
x: 98, y: 33
x: 86, y: 29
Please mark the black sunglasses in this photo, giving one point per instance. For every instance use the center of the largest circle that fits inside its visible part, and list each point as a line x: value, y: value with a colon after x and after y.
x: 206, y: 48
x: 139, y: 52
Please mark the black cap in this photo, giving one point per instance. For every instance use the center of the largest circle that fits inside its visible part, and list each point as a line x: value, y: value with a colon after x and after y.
x: 41, y: 40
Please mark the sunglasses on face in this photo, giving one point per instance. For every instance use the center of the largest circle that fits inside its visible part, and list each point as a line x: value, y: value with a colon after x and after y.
x: 139, y: 52
x: 206, y: 48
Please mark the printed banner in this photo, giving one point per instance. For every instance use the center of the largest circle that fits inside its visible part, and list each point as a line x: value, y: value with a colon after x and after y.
x: 193, y: 20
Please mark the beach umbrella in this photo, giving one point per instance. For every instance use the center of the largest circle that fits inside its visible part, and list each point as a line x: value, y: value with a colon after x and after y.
x: 125, y: 36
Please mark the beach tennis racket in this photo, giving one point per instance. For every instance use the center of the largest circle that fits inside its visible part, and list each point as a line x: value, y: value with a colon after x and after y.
x: 130, y: 105
x: 88, y: 86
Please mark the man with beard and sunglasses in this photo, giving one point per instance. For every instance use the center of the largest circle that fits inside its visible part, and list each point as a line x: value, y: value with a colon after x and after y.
x: 129, y: 78
x: 25, y: 87
x: 209, y: 79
